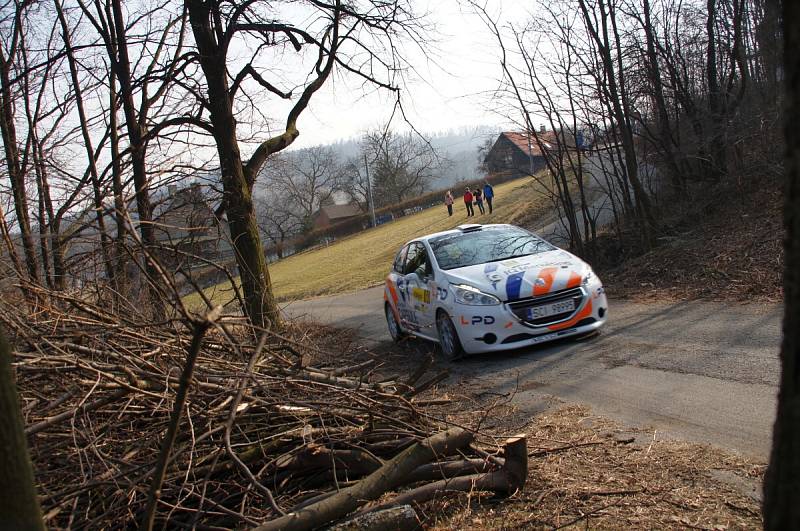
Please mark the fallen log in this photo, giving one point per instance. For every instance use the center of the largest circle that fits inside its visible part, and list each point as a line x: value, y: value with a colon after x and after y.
x: 355, y: 462
x: 386, y: 478
x: 448, y: 469
x: 402, y: 518
x: 507, y: 480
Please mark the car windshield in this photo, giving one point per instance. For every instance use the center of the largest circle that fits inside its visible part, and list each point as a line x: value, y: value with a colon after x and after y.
x: 487, y: 245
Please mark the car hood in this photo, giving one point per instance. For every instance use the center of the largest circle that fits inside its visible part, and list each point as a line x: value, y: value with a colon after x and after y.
x: 524, y: 276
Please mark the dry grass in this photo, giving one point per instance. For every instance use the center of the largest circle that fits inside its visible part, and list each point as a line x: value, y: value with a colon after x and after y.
x: 363, y: 260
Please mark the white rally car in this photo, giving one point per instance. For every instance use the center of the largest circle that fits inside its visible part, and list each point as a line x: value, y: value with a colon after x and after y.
x: 485, y: 288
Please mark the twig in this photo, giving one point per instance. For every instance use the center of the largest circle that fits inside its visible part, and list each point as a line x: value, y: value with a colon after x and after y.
x: 200, y: 328
x: 232, y: 420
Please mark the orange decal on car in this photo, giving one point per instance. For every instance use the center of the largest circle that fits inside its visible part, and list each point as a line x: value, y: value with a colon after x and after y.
x: 574, y: 280
x: 545, y: 280
x: 393, y: 292
x: 464, y: 321
x: 586, y: 312
x: 509, y: 324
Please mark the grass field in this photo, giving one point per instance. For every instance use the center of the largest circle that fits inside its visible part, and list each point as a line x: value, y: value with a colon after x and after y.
x: 364, y: 259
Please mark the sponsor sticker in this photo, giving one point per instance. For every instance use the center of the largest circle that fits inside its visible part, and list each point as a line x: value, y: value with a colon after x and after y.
x: 598, y: 292
x: 477, y: 320
x: 422, y: 295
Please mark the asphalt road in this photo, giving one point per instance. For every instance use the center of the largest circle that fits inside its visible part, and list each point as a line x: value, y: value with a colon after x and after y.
x: 698, y: 371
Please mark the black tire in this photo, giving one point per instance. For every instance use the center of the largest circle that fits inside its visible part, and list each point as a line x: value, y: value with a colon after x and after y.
x: 395, y: 330
x: 448, y: 336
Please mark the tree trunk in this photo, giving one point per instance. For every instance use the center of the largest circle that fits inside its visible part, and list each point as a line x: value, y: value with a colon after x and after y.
x: 619, y: 109
x: 119, y: 193
x: 105, y: 243
x: 58, y: 248
x: 15, y: 172
x: 782, y: 480
x: 138, y: 148
x: 12, y: 251
x: 716, y: 148
x: 253, y: 272
x: 667, y: 144
x: 19, y: 506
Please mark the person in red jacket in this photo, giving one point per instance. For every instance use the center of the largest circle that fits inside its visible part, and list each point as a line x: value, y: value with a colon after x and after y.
x: 468, y: 201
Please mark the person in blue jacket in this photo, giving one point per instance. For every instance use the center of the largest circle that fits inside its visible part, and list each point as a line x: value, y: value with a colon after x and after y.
x: 488, y: 194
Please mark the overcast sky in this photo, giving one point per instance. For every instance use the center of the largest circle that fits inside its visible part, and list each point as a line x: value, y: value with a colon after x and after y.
x: 450, y: 89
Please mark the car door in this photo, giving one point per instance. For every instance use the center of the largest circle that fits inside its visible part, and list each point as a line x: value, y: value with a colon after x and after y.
x: 396, y: 291
x: 418, y: 285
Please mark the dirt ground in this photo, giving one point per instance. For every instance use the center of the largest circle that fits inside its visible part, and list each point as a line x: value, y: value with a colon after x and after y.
x: 724, y: 244
x: 588, y: 472
x: 584, y: 471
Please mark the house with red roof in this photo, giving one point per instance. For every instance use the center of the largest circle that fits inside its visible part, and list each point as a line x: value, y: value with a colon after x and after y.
x: 520, y: 153
x: 329, y: 215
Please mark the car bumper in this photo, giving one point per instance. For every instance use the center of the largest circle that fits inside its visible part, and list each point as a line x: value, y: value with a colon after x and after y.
x: 497, y: 328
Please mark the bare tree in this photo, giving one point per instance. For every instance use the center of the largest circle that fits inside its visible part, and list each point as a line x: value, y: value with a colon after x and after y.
x: 307, y: 178
x: 334, y: 33
x: 279, y: 218
x: 15, y: 166
x: 163, y: 45
x: 400, y: 165
x: 354, y: 183
x: 98, y: 195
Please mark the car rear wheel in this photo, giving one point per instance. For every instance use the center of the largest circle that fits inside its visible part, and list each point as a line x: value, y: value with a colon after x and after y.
x: 448, y: 336
x: 394, y: 327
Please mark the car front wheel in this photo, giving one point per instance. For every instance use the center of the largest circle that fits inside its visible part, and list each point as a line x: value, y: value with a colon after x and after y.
x: 394, y: 327
x: 448, y: 336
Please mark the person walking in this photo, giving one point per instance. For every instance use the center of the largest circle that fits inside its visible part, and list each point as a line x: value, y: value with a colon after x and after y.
x: 468, y: 202
x: 488, y: 194
x: 448, y: 200
x: 479, y: 199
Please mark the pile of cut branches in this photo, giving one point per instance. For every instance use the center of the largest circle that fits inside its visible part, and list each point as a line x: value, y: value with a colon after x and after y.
x: 207, y: 422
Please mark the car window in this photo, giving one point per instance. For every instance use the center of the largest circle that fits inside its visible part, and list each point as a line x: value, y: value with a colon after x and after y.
x: 399, y: 260
x: 417, y: 257
x: 488, y: 245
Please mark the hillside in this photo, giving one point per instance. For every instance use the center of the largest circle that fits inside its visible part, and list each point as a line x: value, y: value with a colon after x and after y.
x: 723, y: 244
x: 363, y: 260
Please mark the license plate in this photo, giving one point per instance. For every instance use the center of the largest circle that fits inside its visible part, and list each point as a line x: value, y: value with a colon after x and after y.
x: 555, y: 308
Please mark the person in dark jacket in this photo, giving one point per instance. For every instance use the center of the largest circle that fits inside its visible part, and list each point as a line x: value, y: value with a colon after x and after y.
x: 478, y: 199
x: 468, y: 202
x: 488, y: 194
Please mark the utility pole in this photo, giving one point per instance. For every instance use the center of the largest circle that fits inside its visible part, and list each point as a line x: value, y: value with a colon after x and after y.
x: 369, y: 191
x: 530, y: 155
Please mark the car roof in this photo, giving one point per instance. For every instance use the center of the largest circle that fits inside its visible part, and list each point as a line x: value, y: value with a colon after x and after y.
x: 461, y: 229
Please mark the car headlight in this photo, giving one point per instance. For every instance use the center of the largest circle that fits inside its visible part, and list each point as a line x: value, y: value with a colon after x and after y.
x: 587, y: 277
x: 465, y: 294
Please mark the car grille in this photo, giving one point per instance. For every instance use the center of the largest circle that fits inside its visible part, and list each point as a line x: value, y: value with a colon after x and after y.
x: 520, y: 307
